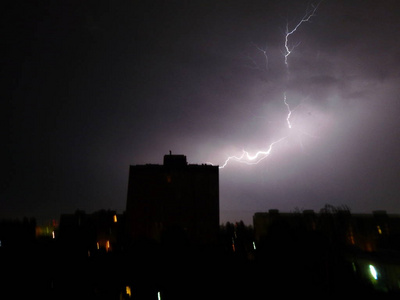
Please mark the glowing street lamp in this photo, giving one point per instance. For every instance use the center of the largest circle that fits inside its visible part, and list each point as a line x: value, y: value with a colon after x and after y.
x: 373, y: 272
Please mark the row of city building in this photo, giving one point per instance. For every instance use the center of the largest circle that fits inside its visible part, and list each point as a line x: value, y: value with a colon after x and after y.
x: 171, y: 223
x: 366, y: 246
x: 105, y: 228
x: 367, y: 232
x: 333, y: 247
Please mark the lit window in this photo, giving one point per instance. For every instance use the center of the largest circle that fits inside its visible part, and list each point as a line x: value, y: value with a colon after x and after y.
x: 379, y: 229
x: 128, y: 290
x: 115, y: 219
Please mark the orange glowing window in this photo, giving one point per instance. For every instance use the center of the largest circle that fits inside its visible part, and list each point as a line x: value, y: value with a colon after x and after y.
x: 128, y: 290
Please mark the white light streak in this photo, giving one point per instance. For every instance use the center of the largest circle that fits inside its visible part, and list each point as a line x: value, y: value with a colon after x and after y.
x: 373, y: 272
x: 246, y: 157
x: 306, y: 18
x: 289, y: 111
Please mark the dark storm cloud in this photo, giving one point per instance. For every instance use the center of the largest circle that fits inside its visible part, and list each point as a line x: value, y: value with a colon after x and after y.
x: 93, y: 87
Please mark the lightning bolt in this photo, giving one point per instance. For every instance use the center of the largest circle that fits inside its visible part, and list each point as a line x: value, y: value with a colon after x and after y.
x: 289, y: 111
x: 310, y: 12
x: 264, y: 52
x: 246, y: 157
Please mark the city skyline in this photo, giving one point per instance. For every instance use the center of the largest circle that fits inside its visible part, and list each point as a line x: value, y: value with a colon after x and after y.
x: 92, y: 88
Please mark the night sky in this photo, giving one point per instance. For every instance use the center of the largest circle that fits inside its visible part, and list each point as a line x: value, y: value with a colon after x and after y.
x: 91, y: 87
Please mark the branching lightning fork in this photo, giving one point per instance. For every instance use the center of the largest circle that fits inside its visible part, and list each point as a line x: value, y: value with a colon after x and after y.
x: 245, y: 157
x: 248, y: 159
x: 310, y: 12
x: 306, y: 18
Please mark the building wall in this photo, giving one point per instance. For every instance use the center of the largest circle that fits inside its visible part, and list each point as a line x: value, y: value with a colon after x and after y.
x: 173, y: 199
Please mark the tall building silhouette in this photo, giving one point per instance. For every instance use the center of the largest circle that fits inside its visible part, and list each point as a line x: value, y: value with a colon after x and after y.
x: 173, y: 201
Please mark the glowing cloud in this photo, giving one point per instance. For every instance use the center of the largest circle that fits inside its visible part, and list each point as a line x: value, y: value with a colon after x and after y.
x: 246, y: 157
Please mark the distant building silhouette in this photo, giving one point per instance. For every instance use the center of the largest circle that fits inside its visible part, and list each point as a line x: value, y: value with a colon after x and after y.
x: 86, y: 233
x: 173, y: 202
x: 334, y: 249
x: 16, y: 233
x: 368, y: 232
